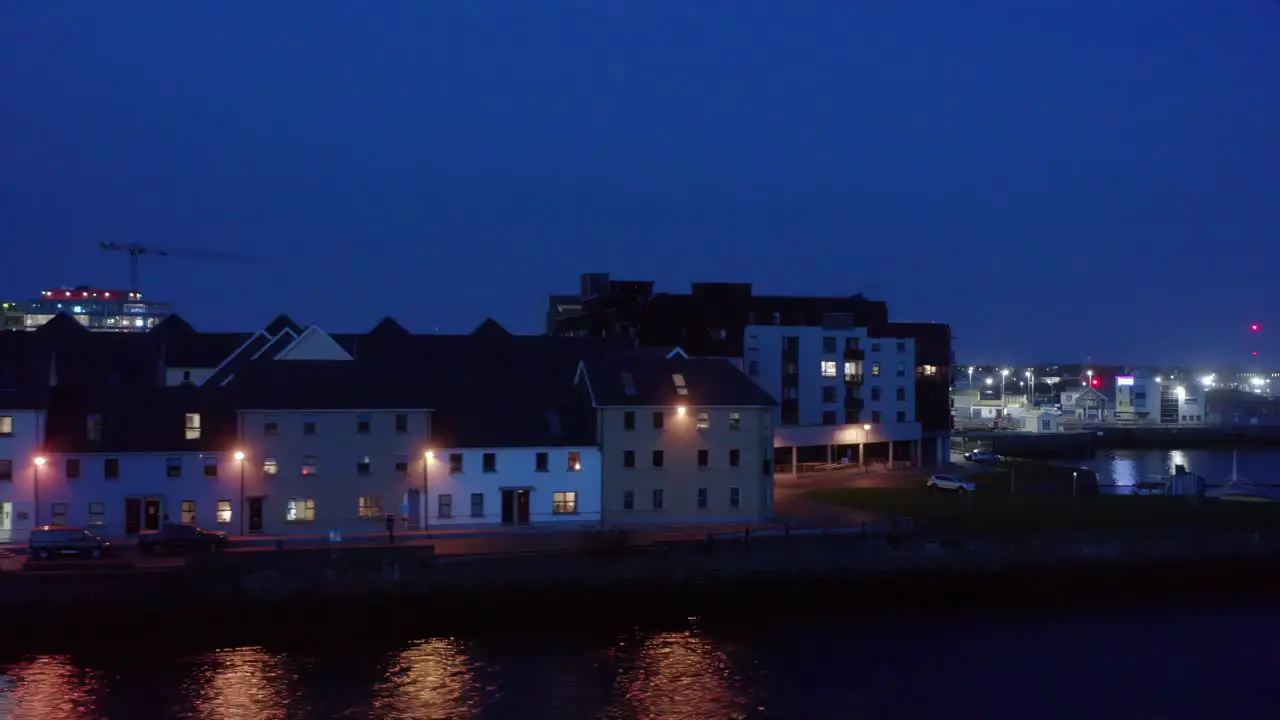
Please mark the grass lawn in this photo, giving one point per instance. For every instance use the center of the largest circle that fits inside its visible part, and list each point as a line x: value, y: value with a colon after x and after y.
x: 1038, y: 503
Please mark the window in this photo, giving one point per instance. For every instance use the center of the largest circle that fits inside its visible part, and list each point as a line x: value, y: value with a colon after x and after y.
x: 702, y: 498
x: 97, y: 514
x: 564, y: 503
x: 657, y: 499
x: 73, y: 468
x: 192, y: 426
x: 735, y: 421
x: 753, y: 368
x: 210, y: 465
x: 629, y: 500
x: 928, y: 370
x: 828, y: 344
x: 657, y: 458
x: 455, y: 463
x: 541, y: 462
x: 828, y: 393
x: 575, y: 461
x: 401, y: 463
x: 875, y: 346
x: 902, y: 370
x: 93, y: 427
x: 658, y: 417
x: 477, y: 504
x: 735, y: 457
x: 111, y: 468
x: 402, y: 423
x: 224, y: 512
x: 704, y: 420
x: 309, y: 465
x: 901, y: 417
x: 6, y: 425
x: 678, y: 380
x: 58, y: 513
x: 369, y: 507
x: 766, y: 466
x: 363, y: 466
x: 629, y: 420
x: 270, y: 467
x: 735, y: 498
x: 900, y: 394
x: 829, y: 417
x: 704, y: 458
x: 850, y: 369
x: 875, y: 417
x: 299, y: 510
x: 828, y: 368
x: 308, y: 425
x: 628, y: 458
x: 875, y: 393
x: 489, y: 462
x: 188, y: 512
x: 444, y: 505
x: 753, y: 342
x: 362, y: 424
x: 6, y: 469
x: 875, y: 369
x: 271, y: 426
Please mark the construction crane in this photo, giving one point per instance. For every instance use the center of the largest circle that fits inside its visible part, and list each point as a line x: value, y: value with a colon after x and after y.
x: 135, y: 251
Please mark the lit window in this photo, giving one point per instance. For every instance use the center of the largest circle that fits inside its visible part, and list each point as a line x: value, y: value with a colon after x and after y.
x: 270, y: 466
x: 828, y: 368
x: 193, y: 426
x: 6, y: 424
x: 929, y: 369
x: 875, y: 369
x: 300, y: 510
x: 575, y: 461
x: 850, y: 368
x: 564, y: 503
x: 704, y: 420
x: 188, y: 512
x: 224, y: 512
x: 681, y: 388
x: 370, y: 507
x: 308, y: 464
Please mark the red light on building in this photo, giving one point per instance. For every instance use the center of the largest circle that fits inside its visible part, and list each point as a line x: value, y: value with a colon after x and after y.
x: 1097, y: 382
x: 1255, y: 327
x: 1255, y: 353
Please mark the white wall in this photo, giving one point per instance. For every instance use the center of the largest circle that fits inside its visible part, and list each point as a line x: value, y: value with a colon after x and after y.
x: 141, y: 475
x: 20, y: 448
x: 515, y: 468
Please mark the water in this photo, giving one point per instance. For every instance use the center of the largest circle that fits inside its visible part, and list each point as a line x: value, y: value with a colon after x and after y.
x: 1171, y: 663
x: 1125, y: 468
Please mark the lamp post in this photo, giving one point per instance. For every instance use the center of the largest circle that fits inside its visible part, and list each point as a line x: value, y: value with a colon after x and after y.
x: 1004, y: 382
x: 426, y: 487
x: 970, y: 377
x: 35, y: 485
x: 1031, y: 388
x: 240, y: 459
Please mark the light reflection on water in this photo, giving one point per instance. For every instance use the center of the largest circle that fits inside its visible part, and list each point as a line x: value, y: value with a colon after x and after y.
x: 1145, y: 662
x: 1125, y: 468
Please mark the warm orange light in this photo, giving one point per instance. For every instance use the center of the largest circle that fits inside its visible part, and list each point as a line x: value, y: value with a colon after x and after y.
x: 40, y: 461
x: 430, y: 455
x: 867, y: 427
x: 239, y: 456
x: 680, y: 410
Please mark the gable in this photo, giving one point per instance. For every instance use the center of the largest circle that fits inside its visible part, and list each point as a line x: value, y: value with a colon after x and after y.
x: 313, y: 344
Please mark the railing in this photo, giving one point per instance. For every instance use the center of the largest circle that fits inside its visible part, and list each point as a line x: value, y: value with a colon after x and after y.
x: 853, y: 379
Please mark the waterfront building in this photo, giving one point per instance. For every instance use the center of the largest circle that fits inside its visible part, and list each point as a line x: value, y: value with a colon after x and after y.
x: 1142, y: 398
x: 94, y: 308
x: 850, y: 384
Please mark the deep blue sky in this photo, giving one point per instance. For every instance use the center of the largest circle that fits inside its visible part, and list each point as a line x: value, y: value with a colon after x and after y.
x: 1057, y: 179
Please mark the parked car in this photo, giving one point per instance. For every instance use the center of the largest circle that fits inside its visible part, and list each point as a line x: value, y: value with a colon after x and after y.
x: 981, y: 455
x: 52, y: 541
x: 950, y: 482
x: 177, y: 539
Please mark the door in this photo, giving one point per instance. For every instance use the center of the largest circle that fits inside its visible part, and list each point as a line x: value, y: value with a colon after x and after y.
x: 255, y: 514
x: 6, y: 522
x: 132, y: 516
x: 413, y: 508
x: 151, y: 514
x: 508, y: 507
x: 522, y: 507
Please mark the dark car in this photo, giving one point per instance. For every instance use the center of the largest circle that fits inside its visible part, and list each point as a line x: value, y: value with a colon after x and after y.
x: 177, y: 539
x: 51, y: 541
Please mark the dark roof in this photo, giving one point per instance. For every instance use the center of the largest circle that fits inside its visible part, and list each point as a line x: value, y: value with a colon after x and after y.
x: 238, y: 360
x: 275, y: 347
x: 644, y: 380
x: 138, y: 421
x: 62, y: 325
x: 202, y: 350
x: 491, y: 328
x: 107, y: 359
x: 173, y: 326
x: 389, y: 329
x: 24, y: 372
x: 329, y: 385
x: 281, y: 323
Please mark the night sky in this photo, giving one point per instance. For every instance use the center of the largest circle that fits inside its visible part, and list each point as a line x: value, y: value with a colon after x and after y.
x: 1057, y: 179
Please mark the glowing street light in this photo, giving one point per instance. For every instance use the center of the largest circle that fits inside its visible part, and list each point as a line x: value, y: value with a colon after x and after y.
x: 39, y: 462
x: 427, y: 457
x: 239, y: 456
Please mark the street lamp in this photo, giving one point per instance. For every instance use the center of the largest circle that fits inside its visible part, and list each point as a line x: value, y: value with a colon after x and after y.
x: 240, y: 459
x: 35, y: 484
x: 1004, y: 379
x: 427, y: 457
x: 970, y: 377
x: 1031, y: 388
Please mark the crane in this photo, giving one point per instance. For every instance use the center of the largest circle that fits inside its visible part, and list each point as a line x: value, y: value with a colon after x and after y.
x: 135, y: 251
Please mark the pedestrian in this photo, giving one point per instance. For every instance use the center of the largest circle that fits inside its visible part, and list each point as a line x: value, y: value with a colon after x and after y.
x: 391, y: 528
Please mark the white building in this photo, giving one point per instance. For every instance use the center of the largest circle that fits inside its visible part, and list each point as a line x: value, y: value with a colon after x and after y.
x: 21, y: 433
x: 481, y: 487
x: 1143, y: 399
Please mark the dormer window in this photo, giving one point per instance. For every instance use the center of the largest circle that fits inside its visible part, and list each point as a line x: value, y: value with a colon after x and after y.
x: 93, y: 427
x: 628, y: 384
x: 192, y: 425
x: 678, y: 380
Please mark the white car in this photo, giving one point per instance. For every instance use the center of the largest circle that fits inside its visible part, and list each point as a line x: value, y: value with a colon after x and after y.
x: 950, y: 482
x: 981, y: 456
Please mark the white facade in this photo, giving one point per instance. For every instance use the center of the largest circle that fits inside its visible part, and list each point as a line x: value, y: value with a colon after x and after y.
x: 1154, y: 400
x: 21, y: 435
x: 116, y: 495
x: 1039, y: 422
x: 514, y: 486
x: 887, y: 384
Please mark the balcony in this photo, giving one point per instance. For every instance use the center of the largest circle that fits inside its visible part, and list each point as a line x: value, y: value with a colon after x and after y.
x: 854, y: 354
x: 853, y: 378
x: 853, y: 402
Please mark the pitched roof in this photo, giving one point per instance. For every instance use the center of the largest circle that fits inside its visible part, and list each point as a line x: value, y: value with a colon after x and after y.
x: 328, y: 385
x: 24, y: 372
x: 643, y: 380
x: 491, y: 328
x: 129, y: 420
x: 281, y: 323
x: 237, y: 360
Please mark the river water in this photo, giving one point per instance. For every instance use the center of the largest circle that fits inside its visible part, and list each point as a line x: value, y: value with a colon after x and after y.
x: 1185, y: 662
x: 1125, y: 468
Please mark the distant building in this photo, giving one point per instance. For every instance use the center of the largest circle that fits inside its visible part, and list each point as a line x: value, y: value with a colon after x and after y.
x: 1143, y: 398
x: 1238, y: 407
x: 96, y: 309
